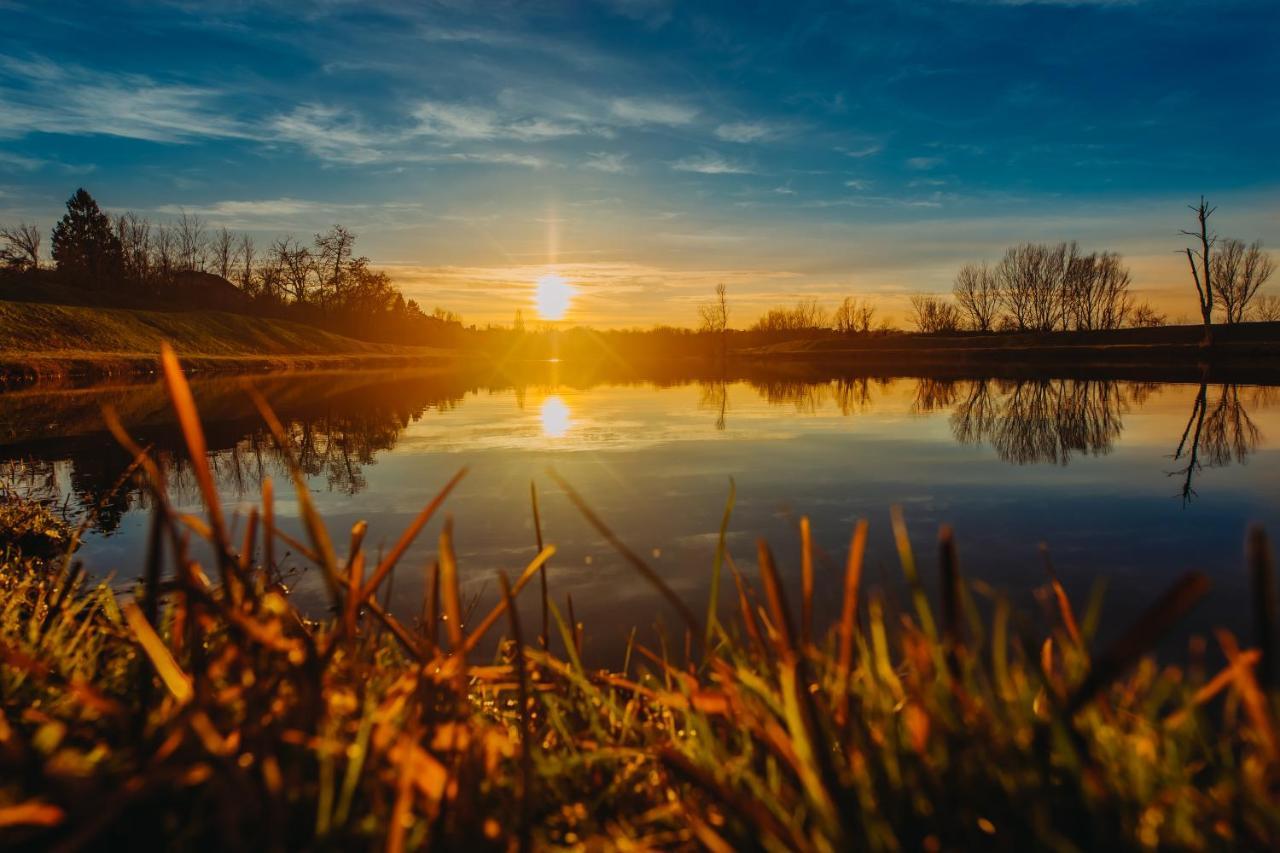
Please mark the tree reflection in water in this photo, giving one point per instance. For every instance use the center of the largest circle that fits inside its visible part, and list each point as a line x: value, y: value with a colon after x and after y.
x: 335, y: 428
x: 54, y: 446
x: 1218, y: 432
x: 1044, y: 420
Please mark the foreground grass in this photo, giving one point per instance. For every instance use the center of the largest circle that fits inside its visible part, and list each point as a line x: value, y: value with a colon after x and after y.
x: 206, y: 711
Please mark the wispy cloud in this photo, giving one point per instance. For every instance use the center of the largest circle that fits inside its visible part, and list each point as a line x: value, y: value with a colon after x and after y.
x: 39, y: 96
x: 923, y: 163
x: 286, y: 213
x: 860, y: 151
x: 331, y: 134
x: 640, y: 111
x: 602, y: 161
x: 710, y: 163
x: 747, y: 131
x: 458, y: 123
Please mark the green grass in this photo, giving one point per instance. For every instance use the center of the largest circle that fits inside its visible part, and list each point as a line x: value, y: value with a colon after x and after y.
x: 204, y: 710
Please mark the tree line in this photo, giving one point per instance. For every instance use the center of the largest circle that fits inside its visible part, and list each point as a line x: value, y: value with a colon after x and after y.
x: 323, y: 281
x: 1046, y: 287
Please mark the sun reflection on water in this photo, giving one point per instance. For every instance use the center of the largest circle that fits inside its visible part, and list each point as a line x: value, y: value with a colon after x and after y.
x: 555, y: 417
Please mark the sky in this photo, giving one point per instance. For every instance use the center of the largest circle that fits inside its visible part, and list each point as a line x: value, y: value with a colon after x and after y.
x: 646, y: 150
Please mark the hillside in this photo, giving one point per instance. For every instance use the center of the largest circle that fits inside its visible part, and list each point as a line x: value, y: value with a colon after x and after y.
x: 43, y: 342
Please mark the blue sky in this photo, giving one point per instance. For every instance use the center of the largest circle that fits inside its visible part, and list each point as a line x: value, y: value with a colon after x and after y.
x: 647, y: 149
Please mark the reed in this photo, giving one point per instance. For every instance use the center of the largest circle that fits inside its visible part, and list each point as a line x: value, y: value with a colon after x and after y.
x: 206, y: 709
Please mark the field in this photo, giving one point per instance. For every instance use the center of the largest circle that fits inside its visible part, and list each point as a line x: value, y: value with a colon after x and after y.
x: 202, y: 709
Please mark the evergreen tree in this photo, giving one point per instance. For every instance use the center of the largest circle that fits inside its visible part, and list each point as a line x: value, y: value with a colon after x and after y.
x: 85, y: 247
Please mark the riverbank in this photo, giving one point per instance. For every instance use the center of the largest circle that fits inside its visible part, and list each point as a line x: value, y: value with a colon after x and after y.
x: 51, y: 344
x: 1250, y: 346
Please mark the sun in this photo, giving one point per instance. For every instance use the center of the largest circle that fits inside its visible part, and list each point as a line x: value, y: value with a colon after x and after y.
x: 551, y: 297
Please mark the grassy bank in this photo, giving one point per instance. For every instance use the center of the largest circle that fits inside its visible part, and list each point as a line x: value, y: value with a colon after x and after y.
x: 40, y: 342
x: 204, y: 710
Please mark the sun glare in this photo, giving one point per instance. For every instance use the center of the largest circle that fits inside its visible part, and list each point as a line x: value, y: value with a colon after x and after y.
x: 551, y: 296
x: 555, y: 417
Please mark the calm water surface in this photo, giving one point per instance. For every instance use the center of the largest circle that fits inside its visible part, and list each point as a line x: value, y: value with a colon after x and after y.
x: 1087, y: 466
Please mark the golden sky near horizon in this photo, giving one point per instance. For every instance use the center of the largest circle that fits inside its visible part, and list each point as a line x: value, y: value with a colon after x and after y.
x: 666, y: 287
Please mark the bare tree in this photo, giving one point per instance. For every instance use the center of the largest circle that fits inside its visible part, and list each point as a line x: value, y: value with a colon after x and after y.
x: 223, y: 250
x: 1143, y: 316
x: 245, y: 257
x: 191, y: 242
x: 853, y: 315
x: 715, y: 315
x: 164, y: 253
x: 333, y: 257
x: 806, y: 315
x: 134, y: 234
x: 933, y: 314
x: 1203, y: 278
x: 977, y: 292
x: 22, y: 244
x: 1032, y: 279
x: 1265, y: 309
x: 1097, y: 291
x: 270, y: 278
x: 296, y: 266
x: 1239, y: 271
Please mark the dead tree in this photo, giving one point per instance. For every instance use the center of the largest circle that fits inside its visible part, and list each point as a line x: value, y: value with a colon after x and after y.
x: 1203, y: 279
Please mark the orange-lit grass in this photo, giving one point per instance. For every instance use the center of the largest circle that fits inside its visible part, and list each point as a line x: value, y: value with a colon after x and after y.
x: 220, y: 715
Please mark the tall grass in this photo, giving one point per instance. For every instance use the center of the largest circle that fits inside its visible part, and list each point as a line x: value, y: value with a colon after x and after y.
x: 205, y: 710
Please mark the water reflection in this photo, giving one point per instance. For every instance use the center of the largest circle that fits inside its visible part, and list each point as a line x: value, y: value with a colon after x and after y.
x: 555, y: 417
x: 338, y: 425
x: 1044, y: 421
x: 1218, y: 432
x: 57, y: 449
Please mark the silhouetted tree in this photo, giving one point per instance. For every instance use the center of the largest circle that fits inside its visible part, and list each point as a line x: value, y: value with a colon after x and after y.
x: 853, y: 315
x: 1265, y: 308
x: 1032, y: 280
x: 1239, y: 271
x: 1143, y: 316
x: 333, y: 257
x: 296, y: 266
x: 192, y: 243
x: 22, y: 245
x: 1203, y: 277
x: 805, y: 316
x: 1096, y: 291
x: 977, y: 292
x: 84, y: 246
x: 933, y: 314
x: 223, y: 250
x: 244, y: 256
x: 715, y: 315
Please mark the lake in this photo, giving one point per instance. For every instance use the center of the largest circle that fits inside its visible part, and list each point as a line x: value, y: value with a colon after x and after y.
x: 1086, y: 465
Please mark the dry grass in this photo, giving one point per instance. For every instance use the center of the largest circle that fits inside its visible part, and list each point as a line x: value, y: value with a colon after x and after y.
x: 206, y: 711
